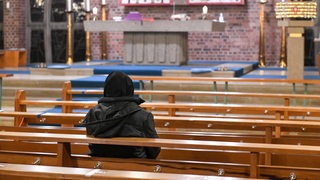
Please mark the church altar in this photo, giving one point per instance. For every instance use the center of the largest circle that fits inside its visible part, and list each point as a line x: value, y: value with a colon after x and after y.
x: 161, y: 42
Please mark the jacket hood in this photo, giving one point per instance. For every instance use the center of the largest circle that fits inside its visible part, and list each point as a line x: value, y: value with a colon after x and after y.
x: 118, y: 84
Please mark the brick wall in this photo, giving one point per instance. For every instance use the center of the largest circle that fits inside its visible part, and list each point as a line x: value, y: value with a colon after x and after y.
x: 13, y: 24
x: 239, y: 41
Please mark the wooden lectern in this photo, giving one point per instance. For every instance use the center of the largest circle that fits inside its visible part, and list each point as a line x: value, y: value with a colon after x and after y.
x: 295, y: 46
x: 295, y: 16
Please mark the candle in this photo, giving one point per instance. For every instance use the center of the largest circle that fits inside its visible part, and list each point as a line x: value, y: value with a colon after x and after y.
x: 8, y: 5
x: 87, y: 5
x: 95, y: 10
x: 103, y: 2
x: 205, y: 10
x: 221, y: 18
x: 69, y: 5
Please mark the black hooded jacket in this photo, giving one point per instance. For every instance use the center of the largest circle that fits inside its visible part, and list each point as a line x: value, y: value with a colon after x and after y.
x: 118, y: 114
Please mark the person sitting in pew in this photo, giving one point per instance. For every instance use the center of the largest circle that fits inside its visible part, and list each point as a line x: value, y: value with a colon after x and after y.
x: 118, y: 114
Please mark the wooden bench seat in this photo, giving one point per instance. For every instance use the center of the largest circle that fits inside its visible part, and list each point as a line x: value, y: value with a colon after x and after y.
x: 39, y: 172
x: 254, y: 152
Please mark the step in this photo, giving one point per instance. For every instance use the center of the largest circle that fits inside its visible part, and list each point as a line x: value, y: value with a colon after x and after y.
x: 24, y: 80
x: 62, y: 71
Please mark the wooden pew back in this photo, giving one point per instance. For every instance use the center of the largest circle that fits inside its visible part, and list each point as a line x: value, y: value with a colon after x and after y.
x: 171, y: 95
x: 39, y: 172
x: 275, y: 112
x: 64, y: 157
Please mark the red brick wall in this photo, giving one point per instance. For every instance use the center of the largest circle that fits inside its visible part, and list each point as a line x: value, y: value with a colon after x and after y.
x: 13, y: 24
x: 239, y: 41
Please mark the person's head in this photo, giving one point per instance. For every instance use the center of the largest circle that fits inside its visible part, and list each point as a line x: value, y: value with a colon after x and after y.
x: 118, y: 84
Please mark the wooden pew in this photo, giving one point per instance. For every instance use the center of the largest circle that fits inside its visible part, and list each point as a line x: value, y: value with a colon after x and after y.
x: 204, y: 128
x: 225, y: 81
x: 188, y: 109
x: 198, y: 126
x: 171, y: 95
x: 201, y: 123
x: 275, y: 112
x: 297, y: 86
x: 82, y: 104
x: 183, y: 122
x: 40, y: 172
x: 221, y: 110
x: 254, y: 151
x: 161, y: 165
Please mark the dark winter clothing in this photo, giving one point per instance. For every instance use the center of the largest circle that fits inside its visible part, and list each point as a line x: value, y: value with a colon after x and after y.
x: 118, y: 114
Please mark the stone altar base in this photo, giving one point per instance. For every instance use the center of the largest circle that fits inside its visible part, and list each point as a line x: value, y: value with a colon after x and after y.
x: 168, y: 48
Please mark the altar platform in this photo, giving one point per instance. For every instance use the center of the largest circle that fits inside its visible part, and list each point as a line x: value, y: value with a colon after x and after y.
x: 202, y: 68
x: 198, y: 68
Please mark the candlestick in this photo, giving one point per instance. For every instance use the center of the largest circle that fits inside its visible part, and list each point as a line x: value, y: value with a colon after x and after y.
x: 88, y: 40
x: 104, y: 17
x: 69, y: 53
x: 261, y: 43
x: 69, y: 5
x: 283, y: 49
x: 103, y: 2
x: 87, y: 5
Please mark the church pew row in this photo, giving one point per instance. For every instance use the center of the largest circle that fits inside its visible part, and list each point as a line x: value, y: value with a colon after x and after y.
x: 199, y: 124
x: 225, y: 81
x: 268, y: 128
x: 254, y: 168
x: 251, y: 137
x: 171, y: 95
x: 267, y: 112
x: 261, y: 131
x: 173, y: 109
x: 40, y: 172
